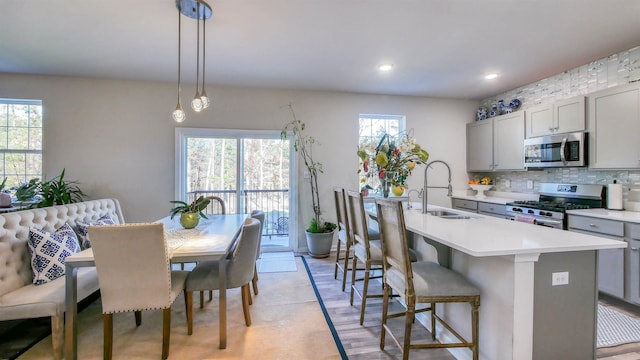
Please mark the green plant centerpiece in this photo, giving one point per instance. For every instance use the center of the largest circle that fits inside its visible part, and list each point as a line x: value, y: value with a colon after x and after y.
x: 190, y: 214
x: 319, y: 233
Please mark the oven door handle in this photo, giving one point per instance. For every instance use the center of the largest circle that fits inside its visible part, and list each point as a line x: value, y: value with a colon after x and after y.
x: 549, y: 223
x: 563, y: 146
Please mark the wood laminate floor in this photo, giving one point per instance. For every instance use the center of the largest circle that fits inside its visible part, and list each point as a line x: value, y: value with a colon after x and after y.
x: 362, y: 342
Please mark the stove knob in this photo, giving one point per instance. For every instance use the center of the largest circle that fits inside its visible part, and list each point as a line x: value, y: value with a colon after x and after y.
x: 530, y: 211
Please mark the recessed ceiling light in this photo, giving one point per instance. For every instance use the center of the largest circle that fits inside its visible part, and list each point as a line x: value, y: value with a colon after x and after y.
x: 385, y: 67
x: 491, y: 76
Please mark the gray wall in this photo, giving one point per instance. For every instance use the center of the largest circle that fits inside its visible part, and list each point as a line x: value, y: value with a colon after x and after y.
x: 117, y: 137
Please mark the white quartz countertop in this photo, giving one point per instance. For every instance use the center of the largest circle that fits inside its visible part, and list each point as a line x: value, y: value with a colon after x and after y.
x: 621, y: 215
x: 489, y: 236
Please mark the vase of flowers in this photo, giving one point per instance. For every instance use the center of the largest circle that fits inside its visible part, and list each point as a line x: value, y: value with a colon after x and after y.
x: 390, y: 159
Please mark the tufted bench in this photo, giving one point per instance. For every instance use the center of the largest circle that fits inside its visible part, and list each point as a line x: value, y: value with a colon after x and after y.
x: 19, y: 298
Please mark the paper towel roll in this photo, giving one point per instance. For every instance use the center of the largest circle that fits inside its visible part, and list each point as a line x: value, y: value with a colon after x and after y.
x: 614, y: 197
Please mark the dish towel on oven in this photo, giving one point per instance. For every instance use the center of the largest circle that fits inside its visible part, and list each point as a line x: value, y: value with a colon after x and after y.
x: 526, y: 219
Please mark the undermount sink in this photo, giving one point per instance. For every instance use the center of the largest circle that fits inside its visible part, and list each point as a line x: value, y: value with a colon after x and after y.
x: 447, y: 214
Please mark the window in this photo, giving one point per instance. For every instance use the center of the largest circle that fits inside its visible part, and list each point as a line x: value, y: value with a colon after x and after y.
x: 20, y: 140
x: 372, y: 127
x: 248, y: 169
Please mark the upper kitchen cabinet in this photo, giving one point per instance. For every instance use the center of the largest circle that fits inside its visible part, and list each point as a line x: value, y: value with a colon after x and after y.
x: 560, y: 117
x: 614, y: 125
x: 496, y: 144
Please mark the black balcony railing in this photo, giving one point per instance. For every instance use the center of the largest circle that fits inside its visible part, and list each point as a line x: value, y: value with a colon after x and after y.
x: 274, y: 203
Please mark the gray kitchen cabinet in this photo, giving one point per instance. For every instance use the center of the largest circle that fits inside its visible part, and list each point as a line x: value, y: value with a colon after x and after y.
x: 614, y: 123
x: 633, y: 287
x: 496, y: 144
x: 492, y: 209
x: 480, y: 207
x: 480, y: 146
x: 559, y: 117
x: 464, y: 204
x: 611, y: 262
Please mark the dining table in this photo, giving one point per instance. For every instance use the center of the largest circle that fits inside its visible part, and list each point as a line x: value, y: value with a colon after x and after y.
x: 211, y: 240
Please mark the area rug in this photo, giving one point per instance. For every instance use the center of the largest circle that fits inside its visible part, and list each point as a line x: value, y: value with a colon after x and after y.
x: 287, y: 323
x: 276, y: 262
x: 334, y: 333
x: 615, y: 328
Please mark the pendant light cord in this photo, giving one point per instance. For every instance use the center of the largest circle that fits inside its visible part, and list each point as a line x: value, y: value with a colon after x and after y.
x: 179, y: 47
x: 198, y: 50
x: 204, y: 44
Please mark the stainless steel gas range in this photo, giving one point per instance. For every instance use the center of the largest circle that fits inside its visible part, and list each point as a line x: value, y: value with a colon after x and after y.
x: 555, y: 200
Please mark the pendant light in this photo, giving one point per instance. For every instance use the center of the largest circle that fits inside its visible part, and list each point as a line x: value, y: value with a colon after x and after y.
x: 178, y: 114
x: 203, y: 94
x: 196, y: 103
x: 199, y: 10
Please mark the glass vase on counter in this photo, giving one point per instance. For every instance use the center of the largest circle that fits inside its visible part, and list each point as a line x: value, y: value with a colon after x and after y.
x: 386, y: 182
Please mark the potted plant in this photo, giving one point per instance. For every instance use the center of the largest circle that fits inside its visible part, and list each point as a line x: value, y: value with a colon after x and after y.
x: 58, y: 191
x: 5, y: 197
x: 320, y: 233
x: 190, y: 214
x: 26, y: 191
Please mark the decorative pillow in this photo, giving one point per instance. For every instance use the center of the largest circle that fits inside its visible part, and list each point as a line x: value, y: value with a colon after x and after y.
x: 49, y: 251
x: 82, y: 228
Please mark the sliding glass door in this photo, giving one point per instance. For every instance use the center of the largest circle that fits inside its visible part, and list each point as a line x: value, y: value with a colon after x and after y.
x: 249, y: 170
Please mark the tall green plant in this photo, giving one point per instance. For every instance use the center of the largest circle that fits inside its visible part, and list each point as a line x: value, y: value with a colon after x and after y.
x: 303, y: 145
x: 59, y: 191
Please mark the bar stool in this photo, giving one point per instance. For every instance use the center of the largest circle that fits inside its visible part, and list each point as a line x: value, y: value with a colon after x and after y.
x: 365, y: 250
x: 344, y: 236
x: 419, y: 282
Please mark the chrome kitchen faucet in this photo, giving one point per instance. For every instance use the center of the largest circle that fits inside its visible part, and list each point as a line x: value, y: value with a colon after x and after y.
x: 424, y: 189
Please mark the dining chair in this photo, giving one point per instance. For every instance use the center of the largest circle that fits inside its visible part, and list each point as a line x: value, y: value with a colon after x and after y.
x: 417, y: 283
x: 135, y: 274
x: 239, y: 271
x: 257, y: 214
x: 221, y: 207
x: 365, y: 250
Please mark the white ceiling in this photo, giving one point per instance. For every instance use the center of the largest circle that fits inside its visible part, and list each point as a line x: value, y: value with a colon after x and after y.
x: 440, y: 48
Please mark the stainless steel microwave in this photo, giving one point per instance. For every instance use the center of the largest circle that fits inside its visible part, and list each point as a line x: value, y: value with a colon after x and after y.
x: 560, y: 150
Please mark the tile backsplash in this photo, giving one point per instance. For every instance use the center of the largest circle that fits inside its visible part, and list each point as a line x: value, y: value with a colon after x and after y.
x: 518, y: 179
x: 614, y: 70
x: 617, y: 69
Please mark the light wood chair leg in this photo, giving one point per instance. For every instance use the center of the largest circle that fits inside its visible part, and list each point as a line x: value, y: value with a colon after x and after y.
x: 108, y: 336
x: 189, y: 303
x: 138, y: 315
x: 365, y: 290
x: 254, y: 281
x: 353, y: 279
x: 335, y: 266
x: 474, y: 330
x: 246, y: 294
x: 57, y: 336
x: 408, y: 322
x: 385, y: 310
x: 166, y: 332
x: 433, y: 321
x: 346, y: 266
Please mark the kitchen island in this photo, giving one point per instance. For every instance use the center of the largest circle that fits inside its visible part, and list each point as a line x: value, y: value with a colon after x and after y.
x: 538, y: 285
